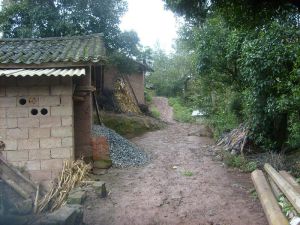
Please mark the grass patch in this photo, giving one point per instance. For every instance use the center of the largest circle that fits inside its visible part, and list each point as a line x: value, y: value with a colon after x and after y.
x: 182, y: 113
x: 238, y: 161
x: 154, y: 112
x: 187, y: 173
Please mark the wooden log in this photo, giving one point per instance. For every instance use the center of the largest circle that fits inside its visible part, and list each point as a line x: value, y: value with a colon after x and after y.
x: 289, y: 178
x: 267, y: 199
x: 274, y: 188
x: 288, y: 190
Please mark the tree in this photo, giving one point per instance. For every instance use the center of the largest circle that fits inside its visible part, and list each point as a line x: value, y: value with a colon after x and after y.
x: 56, y: 18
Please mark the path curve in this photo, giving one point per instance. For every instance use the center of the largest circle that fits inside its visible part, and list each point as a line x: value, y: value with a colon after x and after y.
x: 183, y: 184
x: 162, y: 105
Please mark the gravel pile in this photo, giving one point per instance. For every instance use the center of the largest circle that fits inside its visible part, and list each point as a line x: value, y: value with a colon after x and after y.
x: 123, y: 153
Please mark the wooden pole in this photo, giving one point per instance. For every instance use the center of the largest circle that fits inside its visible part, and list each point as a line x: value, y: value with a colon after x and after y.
x: 289, y: 178
x: 288, y: 190
x: 267, y: 199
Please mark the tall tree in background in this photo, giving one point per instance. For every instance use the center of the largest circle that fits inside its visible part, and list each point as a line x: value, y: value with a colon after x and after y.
x: 56, y: 18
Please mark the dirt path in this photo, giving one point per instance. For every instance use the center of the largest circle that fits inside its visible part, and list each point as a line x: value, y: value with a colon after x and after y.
x: 166, y: 113
x: 181, y: 185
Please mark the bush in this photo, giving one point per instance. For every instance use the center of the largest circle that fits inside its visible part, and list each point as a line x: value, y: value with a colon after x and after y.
x: 182, y: 113
x: 155, y: 113
x: 240, y: 162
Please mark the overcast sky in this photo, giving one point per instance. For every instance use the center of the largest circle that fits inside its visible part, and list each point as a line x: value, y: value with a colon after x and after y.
x: 152, y: 23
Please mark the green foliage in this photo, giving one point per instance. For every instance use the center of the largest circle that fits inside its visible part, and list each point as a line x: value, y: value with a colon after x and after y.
x: 148, y: 96
x: 238, y: 161
x: 187, y: 173
x: 154, y: 112
x: 182, y: 113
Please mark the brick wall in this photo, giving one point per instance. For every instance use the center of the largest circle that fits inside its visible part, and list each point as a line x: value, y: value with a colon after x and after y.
x: 36, y: 123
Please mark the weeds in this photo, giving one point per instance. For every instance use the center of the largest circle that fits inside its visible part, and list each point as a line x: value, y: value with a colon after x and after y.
x: 182, y: 113
x: 188, y: 173
x: 155, y: 113
x: 238, y: 161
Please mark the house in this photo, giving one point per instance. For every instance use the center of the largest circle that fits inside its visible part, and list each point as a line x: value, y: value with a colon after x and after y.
x: 46, y: 102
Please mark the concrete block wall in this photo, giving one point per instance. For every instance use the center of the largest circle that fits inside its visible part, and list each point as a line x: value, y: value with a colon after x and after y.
x: 36, y: 124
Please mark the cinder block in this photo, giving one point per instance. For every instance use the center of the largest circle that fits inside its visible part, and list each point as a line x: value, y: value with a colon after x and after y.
x: 20, y: 164
x: 2, y: 134
x: 62, y: 131
x: 61, y: 111
x: 17, y: 133
x: 66, y: 100
x: 16, y: 91
x: 8, y: 102
x: 2, y: 113
x: 12, y: 122
x: 49, y: 100
x: 17, y: 112
x: 61, y: 153
x: 40, y: 175
x: 28, y: 144
x: 28, y: 122
x: 16, y: 156
x: 52, y: 164
x: 2, y: 91
x: 52, y: 142
x: 10, y: 145
x: 39, y: 90
x: 51, y: 121
x: 33, y: 165
x: 67, y: 121
x: 3, y: 123
x: 67, y: 142
x: 39, y: 132
x: 61, y: 90
x: 39, y: 154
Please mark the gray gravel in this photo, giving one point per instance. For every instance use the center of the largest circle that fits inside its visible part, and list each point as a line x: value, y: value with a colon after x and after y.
x: 123, y: 153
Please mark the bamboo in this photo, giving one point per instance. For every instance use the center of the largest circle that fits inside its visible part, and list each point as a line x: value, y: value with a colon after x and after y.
x: 267, y: 199
x: 288, y: 190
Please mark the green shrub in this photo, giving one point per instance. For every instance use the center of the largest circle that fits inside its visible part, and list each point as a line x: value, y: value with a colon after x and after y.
x: 155, y: 113
x: 182, y: 113
x: 148, y: 96
x: 240, y: 162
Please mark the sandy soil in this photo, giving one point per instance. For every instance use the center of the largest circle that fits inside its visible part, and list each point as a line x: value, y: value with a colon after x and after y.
x: 183, y: 184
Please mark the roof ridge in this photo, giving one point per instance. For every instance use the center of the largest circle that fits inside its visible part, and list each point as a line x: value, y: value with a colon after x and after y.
x: 54, y: 38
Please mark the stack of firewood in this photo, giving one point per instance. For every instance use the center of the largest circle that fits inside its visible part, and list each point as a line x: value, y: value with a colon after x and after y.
x: 279, y: 196
x: 235, y: 140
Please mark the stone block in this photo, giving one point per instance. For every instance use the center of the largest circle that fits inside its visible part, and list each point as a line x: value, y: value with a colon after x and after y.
x: 39, y: 133
x: 62, y: 131
x: 19, y: 112
x: 40, y: 175
x: 28, y: 122
x: 16, y: 156
x: 61, y: 153
x: 39, y: 90
x: 51, y: 142
x: 12, y: 123
x: 17, y: 133
x: 16, y: 91
x: 51, y: 121
x: 8, y: 102
x: 100, y: 148
x: 76, y: 196
x: 27, y: 144
x: 67, y: 121
x: 100, y: 188
x: 33, y: 165
x: 49, y: 101
x: 39, y: 154
x: 2, y: 134
x: 61, y: 90
x: 2, y: 112
x: 66, y: 142
x: 66, y: 100
x: 3, y: 123
x: 50, y: 164
x: 61, y: 111
x: 10, y: 145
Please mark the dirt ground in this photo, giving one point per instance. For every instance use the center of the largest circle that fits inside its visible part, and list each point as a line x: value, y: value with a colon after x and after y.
x: 166, y: 112
x: 183, y: 184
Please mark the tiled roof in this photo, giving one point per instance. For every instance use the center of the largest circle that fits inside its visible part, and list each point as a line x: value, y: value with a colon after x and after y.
x: 42, y: 72
x: 88, y: 48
